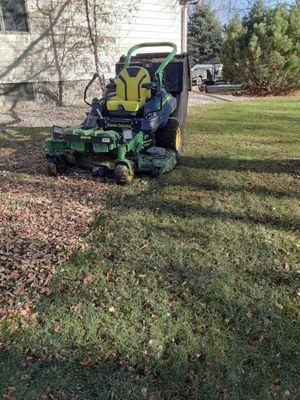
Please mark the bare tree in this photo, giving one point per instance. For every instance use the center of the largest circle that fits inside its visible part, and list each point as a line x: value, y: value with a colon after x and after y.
x: 100, y: 14
x: 64, y: 52
x: 93, y: 10
x: 59, y: 41
x: 73, y: 38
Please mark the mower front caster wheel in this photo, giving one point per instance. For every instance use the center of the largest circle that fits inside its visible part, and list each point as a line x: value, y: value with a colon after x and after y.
x: 123, y: 176
x: 55, y: 166
x: 100, y: 172
x: 155, y: 172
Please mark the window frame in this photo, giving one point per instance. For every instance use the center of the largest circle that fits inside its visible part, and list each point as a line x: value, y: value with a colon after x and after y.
x: 3, y: 31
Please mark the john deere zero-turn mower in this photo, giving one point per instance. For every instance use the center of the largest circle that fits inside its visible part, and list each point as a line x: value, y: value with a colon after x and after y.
x: 137, y: 126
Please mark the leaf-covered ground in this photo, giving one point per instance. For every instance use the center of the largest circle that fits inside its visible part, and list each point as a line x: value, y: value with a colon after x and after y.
x: 42, y: 219
x: 187, y: 286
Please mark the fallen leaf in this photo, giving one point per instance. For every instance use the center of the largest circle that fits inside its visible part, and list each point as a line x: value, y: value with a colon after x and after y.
x: 85, y: 362
x: 19, y: 290
x: 57, y: 329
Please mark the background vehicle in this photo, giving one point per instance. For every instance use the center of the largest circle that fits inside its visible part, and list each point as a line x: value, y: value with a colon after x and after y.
x: 206, y: 74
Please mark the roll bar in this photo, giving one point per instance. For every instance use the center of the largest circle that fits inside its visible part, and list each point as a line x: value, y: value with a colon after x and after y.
x: 160, y: 70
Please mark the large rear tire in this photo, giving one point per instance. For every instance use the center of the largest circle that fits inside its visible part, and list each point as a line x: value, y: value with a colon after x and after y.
x: 180, y: 114
x: 171, y: 136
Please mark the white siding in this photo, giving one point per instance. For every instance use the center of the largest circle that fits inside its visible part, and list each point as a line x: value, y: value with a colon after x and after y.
x: 152, y: 21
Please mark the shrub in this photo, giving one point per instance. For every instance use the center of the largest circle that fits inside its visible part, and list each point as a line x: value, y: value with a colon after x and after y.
x: 262, y: 51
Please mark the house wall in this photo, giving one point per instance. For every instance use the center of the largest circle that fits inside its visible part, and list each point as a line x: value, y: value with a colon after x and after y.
x: 28, y: 57
x: 155, y: 20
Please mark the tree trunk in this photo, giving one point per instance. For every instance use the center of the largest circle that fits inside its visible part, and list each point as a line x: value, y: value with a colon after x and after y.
x: 94, y: 42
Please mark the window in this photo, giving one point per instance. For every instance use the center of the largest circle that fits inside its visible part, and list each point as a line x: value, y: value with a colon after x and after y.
x: 18, y: 92
x: 14, y: 16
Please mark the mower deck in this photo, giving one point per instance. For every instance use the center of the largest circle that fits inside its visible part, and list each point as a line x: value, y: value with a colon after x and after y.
x: 101, y: 151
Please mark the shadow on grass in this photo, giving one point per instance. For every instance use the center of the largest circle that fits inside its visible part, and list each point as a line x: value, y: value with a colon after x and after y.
x: 267, y: 165
x: 115, y: 376
x: 28, y: 144
x: 179, y: 208
x: 194, y: 173
x: 215, y: 337
x: 221, y: 339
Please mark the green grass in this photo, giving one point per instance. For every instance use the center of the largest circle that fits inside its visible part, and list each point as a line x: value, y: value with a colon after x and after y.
x: 188, y: 289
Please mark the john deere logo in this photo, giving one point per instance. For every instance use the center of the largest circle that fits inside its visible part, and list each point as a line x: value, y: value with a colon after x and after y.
x: 119, y: 125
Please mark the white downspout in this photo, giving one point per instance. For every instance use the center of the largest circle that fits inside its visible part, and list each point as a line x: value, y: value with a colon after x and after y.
x: 183, y: 26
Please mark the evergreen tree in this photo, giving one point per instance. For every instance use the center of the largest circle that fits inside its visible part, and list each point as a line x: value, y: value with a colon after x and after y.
x: 204, y: 36
x: 262, y: 50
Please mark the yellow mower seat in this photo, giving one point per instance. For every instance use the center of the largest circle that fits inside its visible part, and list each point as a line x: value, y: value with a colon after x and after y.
x: 130, y: 96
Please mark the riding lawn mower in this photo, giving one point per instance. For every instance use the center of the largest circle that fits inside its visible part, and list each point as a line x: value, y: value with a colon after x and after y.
x: 137, y: 126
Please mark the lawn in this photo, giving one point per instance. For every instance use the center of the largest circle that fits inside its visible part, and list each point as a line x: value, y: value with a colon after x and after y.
x: 188, y: 286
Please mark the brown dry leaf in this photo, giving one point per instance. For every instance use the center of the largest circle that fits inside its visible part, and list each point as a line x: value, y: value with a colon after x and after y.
x: 87, y: 279
x: 105, y: 291
x: 57, y: 329
x: 112, y: 310
x: 142, y: 276
x: 19, y: 290
x: 24, y: 312
x: 250, y: 185
x: 85, y: 362
x: 10, y: 390
x: 77, y: 309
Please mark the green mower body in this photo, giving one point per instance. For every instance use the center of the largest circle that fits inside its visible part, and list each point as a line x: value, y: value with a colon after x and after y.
x: 137, y: 126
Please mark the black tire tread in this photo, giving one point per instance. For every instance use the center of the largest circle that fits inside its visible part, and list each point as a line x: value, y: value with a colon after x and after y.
x: 166, y: 137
